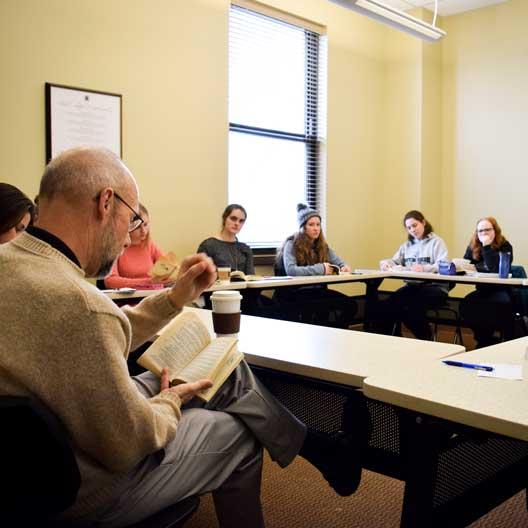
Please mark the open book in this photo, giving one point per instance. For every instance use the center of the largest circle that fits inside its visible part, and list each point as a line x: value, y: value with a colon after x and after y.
x: 464, y: 265
x: 165, y: 269
x: 240, y: 276
x: 335, y: 269
x: 185, y: 347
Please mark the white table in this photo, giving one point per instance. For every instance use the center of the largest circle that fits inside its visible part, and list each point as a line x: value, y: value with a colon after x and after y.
x: 116, y: 294
x: 451, y: 473
x: 459, y: 395
x: 425, y: 276
x: 279, y: 282
x: 329, y: 354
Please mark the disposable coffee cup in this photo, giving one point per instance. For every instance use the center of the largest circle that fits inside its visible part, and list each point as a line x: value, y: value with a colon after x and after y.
x: 223, y: 274
x: 226, y: 312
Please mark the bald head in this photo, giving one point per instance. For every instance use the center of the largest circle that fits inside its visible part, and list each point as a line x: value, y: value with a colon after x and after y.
x: 88, y: 199
x: 79, y: 174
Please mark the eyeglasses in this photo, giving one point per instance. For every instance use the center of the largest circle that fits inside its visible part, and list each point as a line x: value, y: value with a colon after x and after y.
x: 136, y: 219
x: 486, y: 230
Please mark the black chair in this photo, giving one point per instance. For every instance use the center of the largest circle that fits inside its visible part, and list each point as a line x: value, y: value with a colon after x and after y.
x: 449, y: 315
x: 520, y: 305
x: 312, y: 304
x: 40, y: 474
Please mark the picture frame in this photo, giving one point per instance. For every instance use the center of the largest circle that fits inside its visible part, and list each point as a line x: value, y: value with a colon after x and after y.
x: 82, y: 117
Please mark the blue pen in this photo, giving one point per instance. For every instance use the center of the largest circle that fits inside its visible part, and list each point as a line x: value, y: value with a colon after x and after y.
x: 467, y: 365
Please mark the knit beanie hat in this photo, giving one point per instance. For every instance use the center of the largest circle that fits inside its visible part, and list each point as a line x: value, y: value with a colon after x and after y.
x: 304, y: 213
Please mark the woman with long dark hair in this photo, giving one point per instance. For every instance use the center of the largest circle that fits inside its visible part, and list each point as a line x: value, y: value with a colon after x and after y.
x: 16, y: 212
x: 307, y: 253
x: 489, y: 307
x: 420, y: 253
x: 225, y: 248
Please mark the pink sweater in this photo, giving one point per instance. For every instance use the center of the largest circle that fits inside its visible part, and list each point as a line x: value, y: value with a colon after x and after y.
x: 131, y: 268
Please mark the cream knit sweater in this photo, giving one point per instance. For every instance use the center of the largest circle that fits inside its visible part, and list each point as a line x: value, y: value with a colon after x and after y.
x: 66, y: 343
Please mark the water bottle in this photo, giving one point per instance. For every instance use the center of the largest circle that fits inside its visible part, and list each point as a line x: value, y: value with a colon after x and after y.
x: 504, y: 265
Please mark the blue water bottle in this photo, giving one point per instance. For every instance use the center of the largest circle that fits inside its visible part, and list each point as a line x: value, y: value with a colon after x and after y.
x: 504, y: 265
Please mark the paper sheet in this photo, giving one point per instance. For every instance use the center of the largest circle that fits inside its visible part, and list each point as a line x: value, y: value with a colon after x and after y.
x: 503, y: 371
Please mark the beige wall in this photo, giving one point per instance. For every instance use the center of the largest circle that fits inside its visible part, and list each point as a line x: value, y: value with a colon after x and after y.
x: 485, y: 86
x: 169, y: 61
x: 410, y: 125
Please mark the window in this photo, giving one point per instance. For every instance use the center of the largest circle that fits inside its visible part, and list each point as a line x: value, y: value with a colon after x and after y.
x: 277, y: 72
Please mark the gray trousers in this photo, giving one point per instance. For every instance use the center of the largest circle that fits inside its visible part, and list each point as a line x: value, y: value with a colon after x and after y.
x: 218, y: 448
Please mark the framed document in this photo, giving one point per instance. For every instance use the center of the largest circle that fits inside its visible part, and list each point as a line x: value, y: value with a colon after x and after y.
x: 76, y: 116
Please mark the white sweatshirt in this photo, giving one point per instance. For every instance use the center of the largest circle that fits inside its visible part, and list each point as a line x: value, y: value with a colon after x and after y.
x: 428, y: 252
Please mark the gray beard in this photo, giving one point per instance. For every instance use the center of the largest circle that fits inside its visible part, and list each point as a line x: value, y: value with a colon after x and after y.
x: 108, y: 255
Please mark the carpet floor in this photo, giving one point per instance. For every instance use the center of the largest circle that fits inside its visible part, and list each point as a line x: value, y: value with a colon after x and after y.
x: 298, y: 497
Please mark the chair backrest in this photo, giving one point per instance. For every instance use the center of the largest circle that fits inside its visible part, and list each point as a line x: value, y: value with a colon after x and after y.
x: 39, y: 472
x: 520, y: 297
x: 278, y: 268
x: 518, y: 272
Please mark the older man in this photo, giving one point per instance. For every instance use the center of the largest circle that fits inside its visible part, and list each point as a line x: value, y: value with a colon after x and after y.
x: 66, y: 343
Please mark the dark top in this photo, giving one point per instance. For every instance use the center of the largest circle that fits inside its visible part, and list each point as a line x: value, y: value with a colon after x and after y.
x: 489, y: 258
x: 54, y: 242
x: 489, y: 263
x: 234, y: 255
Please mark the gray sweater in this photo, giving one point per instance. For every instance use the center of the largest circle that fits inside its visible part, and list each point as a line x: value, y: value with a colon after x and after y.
x: 234, y: 255
x: 290, y: 262
x: 428, y: 252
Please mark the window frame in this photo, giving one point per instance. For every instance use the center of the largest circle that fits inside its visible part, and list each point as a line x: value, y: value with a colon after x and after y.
x: 313, y: 139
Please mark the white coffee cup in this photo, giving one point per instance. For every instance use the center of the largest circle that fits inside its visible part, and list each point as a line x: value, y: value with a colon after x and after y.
x: 226, y: 301
x: 226, y: 312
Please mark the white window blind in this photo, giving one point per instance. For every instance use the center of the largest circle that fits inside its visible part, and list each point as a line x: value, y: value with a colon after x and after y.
x: 277, y: 76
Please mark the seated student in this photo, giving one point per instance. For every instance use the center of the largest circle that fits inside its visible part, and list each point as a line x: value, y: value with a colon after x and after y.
x: 227, y: 252
x: 224, y: 248
x: 421, y: 252
x: 16, y: 212
x: 140, y: 444
x: 307, y: 253
x: 131, y: 268
x: 490, y: 306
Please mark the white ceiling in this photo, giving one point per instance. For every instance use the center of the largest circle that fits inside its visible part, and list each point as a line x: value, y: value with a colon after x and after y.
x: 445, y: 7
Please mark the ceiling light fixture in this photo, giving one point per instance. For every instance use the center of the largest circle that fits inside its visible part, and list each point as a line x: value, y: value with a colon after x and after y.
x: 395, y: 18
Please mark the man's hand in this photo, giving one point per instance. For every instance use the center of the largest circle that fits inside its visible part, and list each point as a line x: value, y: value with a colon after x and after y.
x: 196, y: 274
x: 186, y: 391
x: 417, y: 267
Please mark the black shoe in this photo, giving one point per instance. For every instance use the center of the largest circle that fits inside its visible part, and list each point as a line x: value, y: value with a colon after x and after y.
x: 337, y: 457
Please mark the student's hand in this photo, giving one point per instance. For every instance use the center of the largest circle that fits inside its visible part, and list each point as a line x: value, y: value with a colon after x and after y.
x: 346, y: 269
x: 160, y: 280
x: 486, y: 239
x: 417, y: 267
x: 385, y: 265
x: 186, y: 391
x: 328, y: 268
x: 196, y: 274
x: 166, y: 281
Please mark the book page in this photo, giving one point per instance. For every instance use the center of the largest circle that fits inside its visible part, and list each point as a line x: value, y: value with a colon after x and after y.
x: 206, y: 364
x: 255, y: 277
x: 225, y: 368
x: 182, y: 340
